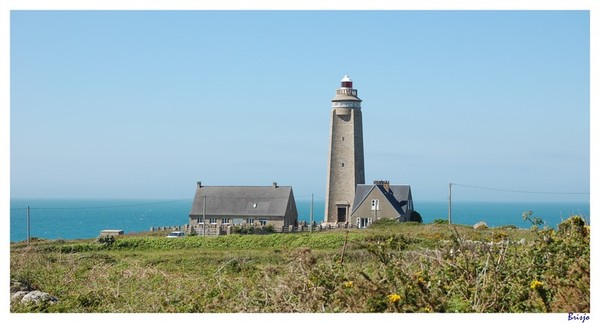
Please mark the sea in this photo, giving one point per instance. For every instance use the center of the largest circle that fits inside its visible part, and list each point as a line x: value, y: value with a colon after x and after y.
x: 85, y: 218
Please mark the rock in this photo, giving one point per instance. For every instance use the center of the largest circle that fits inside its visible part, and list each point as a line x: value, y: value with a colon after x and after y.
x: 17, y: 286
x: 38, y: 297
x: 18, y: 296
x: 480, y: 225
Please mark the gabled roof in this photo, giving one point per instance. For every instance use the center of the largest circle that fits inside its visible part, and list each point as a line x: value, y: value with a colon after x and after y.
x: 398, y: 195
x: 234, y: 201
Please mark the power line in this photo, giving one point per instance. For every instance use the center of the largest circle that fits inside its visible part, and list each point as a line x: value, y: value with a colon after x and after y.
x: 518, y: 191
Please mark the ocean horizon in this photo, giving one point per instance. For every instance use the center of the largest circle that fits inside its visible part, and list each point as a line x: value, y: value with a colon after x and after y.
x: 85, y: 218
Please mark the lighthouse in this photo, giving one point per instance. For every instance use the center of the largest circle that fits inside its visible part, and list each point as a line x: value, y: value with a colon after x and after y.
x: 346, y: 156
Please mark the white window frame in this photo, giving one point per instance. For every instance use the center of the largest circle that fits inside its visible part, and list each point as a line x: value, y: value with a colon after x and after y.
x: 212, y: 221
x: 374, y: 205
x: 363, y: 222
x: 262, y: 222
x: 225, y: 221
x: 250, y: 221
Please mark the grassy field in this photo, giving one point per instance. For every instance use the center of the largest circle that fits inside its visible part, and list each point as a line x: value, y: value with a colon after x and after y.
x: 390, y: 267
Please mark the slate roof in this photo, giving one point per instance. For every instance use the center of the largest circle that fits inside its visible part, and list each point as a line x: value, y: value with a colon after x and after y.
x: 398, y: 196
x: 232, y: 201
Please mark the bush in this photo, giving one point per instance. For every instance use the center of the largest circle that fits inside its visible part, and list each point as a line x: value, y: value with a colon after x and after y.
x: 415, y: 217
x: 268, y: 229
x: 106, y: 240
x: 440, y: 221
x: 499, y: 235
x: 383, y: 223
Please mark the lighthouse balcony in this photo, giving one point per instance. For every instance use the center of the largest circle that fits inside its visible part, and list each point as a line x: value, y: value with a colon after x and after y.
x: 346, y: 104
x: 346, y: 91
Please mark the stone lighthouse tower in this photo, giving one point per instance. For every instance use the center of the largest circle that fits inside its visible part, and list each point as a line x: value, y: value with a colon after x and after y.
x: 346, y: 157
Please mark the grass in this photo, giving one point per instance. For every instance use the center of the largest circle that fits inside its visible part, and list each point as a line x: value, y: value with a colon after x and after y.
x: 430, y: 267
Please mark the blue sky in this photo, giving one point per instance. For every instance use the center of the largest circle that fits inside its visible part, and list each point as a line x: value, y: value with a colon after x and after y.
x: 142, y: 104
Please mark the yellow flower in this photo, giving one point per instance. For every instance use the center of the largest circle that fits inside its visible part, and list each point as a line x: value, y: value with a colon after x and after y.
x: 393, y: 298
x: 535, y: 284
x: 420, y: 280
x: 348, y: 284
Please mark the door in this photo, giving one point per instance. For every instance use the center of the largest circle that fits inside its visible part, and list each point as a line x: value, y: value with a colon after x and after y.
x: 341, y: 214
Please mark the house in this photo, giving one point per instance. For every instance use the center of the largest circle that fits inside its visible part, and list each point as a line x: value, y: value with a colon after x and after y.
x: 248, y: 205
x: 381, y: 200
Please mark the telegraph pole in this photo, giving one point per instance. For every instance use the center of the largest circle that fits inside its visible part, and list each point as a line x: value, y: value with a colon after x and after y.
x: 450, y: 203
x: 311, y: 211
x: 28, y: 227
x: 204, y: 217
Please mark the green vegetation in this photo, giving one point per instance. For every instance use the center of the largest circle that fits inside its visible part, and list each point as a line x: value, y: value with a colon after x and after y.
x: 390, y: 267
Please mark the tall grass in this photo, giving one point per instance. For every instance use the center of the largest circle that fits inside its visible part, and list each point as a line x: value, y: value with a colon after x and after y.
x: 388, y: 268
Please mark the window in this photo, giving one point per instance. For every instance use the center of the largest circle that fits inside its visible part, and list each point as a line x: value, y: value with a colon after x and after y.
x: 213, y: 221
x: 250, y: 221
x: 342, y: 164
x: 363, y: 222
x: 374, y: 205
x: 225, y: 221
x: 262, y: 221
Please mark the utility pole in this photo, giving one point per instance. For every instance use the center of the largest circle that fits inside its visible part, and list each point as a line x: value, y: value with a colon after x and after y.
x: 450, y: 203
x: 204, y: 217
x: 311, y: 211
x: 28, y: 227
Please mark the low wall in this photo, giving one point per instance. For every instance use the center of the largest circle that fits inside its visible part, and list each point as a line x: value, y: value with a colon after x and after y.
x: 217, y: 230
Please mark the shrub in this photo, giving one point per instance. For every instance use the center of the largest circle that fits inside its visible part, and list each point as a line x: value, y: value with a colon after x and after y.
x: 440, y: 221
x: 106, y: 240
x: 268, y: 229
x: 383, y: 223
x: 499, y: 235
x: 415, y: 217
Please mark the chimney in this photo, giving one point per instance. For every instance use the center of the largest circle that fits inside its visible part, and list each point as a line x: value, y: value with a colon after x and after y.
x: 199, y: 184
x: 275, y: 185
x: 385, y: 184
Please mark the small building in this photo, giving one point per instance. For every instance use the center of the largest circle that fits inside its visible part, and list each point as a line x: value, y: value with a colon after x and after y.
x: 381, y: 200
x: 110, y: 232
x: 243, y: 205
